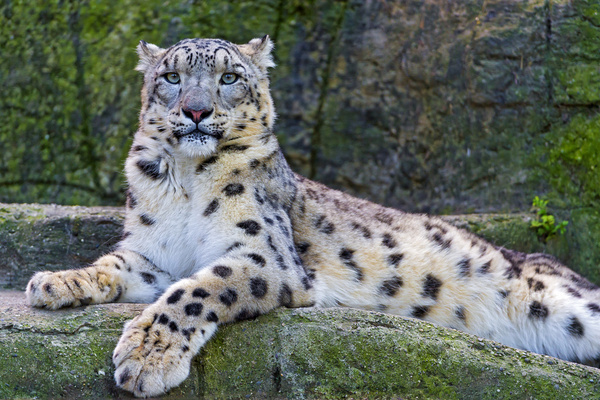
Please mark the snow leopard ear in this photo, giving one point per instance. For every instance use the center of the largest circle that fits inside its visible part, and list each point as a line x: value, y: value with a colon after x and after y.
x: 259, y: 51
x: 149, y: 55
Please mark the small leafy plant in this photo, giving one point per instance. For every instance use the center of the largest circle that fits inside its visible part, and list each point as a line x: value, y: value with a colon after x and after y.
x: 545, y: 225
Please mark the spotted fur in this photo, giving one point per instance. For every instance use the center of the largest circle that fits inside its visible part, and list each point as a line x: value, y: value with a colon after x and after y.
x: 219, y: 229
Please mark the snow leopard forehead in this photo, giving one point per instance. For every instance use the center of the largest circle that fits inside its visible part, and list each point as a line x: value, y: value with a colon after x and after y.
x: 197, y: 55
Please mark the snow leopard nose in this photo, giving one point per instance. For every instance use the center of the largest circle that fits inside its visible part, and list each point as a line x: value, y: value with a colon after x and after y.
x: 197, y: 104
x: 196, y: 115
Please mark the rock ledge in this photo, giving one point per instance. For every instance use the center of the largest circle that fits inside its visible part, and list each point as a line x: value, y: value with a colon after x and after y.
x: 301, y: 353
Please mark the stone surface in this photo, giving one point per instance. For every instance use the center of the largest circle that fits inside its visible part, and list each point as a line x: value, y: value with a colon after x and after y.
x: 64, y: 354
x: 333, y: 353
x: 301, y: 353
x: 36, y: 237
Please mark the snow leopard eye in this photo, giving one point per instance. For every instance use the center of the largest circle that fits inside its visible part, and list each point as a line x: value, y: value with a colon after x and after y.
x: 229, y: 78
x: 172, y: 77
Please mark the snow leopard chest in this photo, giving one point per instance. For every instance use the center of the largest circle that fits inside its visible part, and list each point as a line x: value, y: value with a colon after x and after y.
x: 174, y: 232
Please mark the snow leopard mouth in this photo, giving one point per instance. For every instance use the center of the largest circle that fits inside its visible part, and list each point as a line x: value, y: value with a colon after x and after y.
x: 198, y: 134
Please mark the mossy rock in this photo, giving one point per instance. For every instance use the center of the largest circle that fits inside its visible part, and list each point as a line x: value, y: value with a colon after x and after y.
x: 310, y: 353
x: 64, y: 354
x: 36, y: 237
x: 300, y: 353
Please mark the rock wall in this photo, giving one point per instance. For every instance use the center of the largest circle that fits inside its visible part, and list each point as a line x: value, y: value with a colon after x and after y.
x: 430, y: 106
x: 39, y: 237
x: 425, y: 105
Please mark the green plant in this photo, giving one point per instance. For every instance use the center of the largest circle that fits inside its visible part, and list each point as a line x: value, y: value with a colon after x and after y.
x: 545, y: 225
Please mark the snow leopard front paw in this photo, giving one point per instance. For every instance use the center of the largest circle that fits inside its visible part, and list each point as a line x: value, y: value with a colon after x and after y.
x: 53, y: 290
x: 154, y: 354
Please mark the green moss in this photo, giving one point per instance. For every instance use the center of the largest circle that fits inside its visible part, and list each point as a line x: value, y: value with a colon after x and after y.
x: 304, y: 353
x: 506, y: 230
x: 63, y: 354
x: 568, y: 161
x: 238, y: 362
x: 49, y: 357
x: 334, y: 354
x: 566, y: 157
x: 572, y: 159
x: 580, y: 84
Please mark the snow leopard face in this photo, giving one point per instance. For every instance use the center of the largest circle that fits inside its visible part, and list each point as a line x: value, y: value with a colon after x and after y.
x: 201, y: 92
